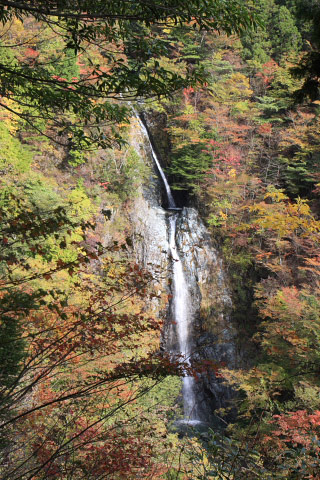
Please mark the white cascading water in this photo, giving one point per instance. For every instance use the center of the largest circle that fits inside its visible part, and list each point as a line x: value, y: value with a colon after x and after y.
x: 171, y: 201
x: 182, y: 317
x: 181, y: 297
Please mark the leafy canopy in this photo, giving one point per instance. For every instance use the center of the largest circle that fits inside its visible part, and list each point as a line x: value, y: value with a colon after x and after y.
x: 116, y: 42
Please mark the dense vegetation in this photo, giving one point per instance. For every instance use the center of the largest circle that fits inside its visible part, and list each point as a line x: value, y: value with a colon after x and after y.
x: 85, y: 393
x: 246, y: 148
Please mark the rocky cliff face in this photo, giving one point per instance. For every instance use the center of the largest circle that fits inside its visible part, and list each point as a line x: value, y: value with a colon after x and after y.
x: 149, y: 223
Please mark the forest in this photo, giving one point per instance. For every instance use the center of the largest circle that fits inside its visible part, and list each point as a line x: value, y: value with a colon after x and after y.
x: 146, y: 334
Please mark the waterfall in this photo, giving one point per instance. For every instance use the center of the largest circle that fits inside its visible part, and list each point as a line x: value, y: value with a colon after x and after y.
x: 181, y: 301
x: 171, y: 202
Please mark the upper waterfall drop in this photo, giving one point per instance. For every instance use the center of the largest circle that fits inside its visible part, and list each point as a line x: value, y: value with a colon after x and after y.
x: 171, y: 202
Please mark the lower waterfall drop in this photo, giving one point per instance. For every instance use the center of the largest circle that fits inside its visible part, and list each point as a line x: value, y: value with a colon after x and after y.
x: 183, y: 320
